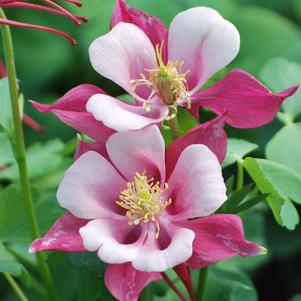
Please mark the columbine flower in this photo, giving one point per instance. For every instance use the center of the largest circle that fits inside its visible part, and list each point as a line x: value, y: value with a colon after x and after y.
x: 143, y: 215
x: 51, y: 7
x: 163, y: 70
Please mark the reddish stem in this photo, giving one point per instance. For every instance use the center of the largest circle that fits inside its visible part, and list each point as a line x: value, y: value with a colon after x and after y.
x: 37, y: 27
x: 63, y: 10
x: 32, y: 123
x: 184, y: 274
x: 77, y: 3
x: 173, y: 287
x: 19, y: 4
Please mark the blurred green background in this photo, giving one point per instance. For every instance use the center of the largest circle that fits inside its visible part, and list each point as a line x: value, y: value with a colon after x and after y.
x: 48, y: 67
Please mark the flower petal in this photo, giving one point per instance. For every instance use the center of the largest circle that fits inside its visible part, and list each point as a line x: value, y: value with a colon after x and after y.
x: 173, y: 247
x: 126, y: 283
x: 219, y: 237
x: 196, y: 185
x: 247, y: 102
x: 122, y: 55
x: 122, y: 117
x: 153, y: 27
x: 204, y: 41
x: 90, y: 187
x: 210, y: 133
x: 63, y: 236
x: 138, y: 151
x: 111, y: 239
x: 71, y: 109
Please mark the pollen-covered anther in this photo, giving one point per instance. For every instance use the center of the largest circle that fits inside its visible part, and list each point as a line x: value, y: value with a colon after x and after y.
x: 166, y: 80
x: 143, y: 200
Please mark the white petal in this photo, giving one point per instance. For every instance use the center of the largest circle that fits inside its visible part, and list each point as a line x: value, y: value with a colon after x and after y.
x: 122, y: 117
x: 196, y: 185
x: 122, y: 55
x: 90, y: 187
x: 204, y: 41
x: 152, y: 258
x: 138, y: 151
x: 105, y: 235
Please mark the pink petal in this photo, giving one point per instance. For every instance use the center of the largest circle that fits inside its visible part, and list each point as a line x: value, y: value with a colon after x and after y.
x: 122, y: 117
x: 122, y: 55
x: 138, y: 151
x: 63, y: 236
x: 247, y: 102
x: 125, y: 283
x: 211, y: 134
x: 204, y: 41
x: 84, y: 147
x: 151, y: 25
x: 71, y: 109
x: 3, y: 72
x: 219, y: 237
x: 90, y: 187
x: 115, y: 240
x: 173, y: 247
x: 196, y: 185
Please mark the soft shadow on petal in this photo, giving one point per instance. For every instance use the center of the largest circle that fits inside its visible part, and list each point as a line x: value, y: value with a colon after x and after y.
x: 123, y: 117
x: 122, y: 55
x: 206, y: 43
x: 126, y: 283
x: 196, y: 184
x: 91, y: 187
x: 246, y: 101
x: 138, y: 151
x: 62, y: 236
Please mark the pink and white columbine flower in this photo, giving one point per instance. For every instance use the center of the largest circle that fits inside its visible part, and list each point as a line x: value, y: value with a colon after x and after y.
x: 165, y: 69
x: 143, y: 214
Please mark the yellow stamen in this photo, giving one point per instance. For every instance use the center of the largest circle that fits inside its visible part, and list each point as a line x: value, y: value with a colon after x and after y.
x: 142, y: 200
x: 165, y: 81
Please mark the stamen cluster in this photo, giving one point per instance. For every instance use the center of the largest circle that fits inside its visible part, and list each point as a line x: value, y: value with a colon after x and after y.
x: 143, y: 200
x: 166, y: 81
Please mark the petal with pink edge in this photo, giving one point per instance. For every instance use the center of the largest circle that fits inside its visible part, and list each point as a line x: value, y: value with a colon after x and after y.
x: 126, y: 283
x: 151, y: 25
x: 210, y: 133
x: 202, y: 39
x: 122, y: 55
x: 116, y: 241
x: 63, y: 236
x: 138, y: 151
x: 219, y: 237
x: 90, y: 187
x: 173, y: 247
x: 196, y: 185
x: 247, y: 102
x: 71, y: 109
x: 123, y: 117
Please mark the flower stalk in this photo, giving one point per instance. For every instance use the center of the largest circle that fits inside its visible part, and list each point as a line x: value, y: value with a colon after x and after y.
x: 15, y: 287
x: 20, y: 154
x: 202, y: 284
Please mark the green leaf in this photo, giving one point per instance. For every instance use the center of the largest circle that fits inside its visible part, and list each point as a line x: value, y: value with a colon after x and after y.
x: 281, y: 184
x: 296, y: 298
x: 279, y: 74
x: 5, y: 105
x: 285, y: 147
x: 6, y: 154
x: 229, y: 285
x: 13, y: 222
x: 185, y: 120
x: 8, y: 263
x: 237, y: 150
x: 260, y: 30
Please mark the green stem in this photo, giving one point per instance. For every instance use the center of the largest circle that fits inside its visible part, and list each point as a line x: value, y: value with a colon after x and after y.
x: 145, y: 296
x: 240, y: 175
x: 174, y: 128
x: 20, y: 154
x: 202, y: 284
x: 15, y: 287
